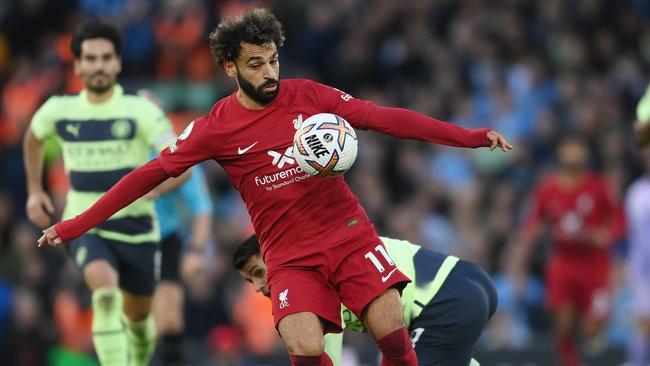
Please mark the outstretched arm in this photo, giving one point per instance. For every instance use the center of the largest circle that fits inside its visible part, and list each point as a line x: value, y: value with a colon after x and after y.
x: 404, y: 123
x: 127, y: 190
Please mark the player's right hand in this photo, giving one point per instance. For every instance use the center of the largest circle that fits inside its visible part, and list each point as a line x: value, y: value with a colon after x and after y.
x: 50, y: 237
x: 40, y: 209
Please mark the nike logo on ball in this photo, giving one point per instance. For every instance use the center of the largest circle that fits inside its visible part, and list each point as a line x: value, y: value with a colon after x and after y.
x: 385, y: 278
x: 241, y: 151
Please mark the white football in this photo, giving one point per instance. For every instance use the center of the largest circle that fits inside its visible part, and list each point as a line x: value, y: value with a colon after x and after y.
x: 325, y: 145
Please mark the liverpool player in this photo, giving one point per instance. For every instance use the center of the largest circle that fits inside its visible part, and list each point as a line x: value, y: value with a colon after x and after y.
x: 583, y: 219
x: 335, y: 255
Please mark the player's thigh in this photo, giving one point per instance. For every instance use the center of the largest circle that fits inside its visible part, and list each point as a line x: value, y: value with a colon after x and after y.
x: 304, y: 290
x: 384, y: 314
x: 171, y: 248
x: 594, y: 295
x: 302, y: 333
x: 139, y: 267
x: 94, y: 257
x: 364, y: 272
x: 136, y: 307
x: 561, y: 282
x: 595, y: 302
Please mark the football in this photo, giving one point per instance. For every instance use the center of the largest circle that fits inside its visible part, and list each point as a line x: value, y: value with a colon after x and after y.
x: 325, y: 145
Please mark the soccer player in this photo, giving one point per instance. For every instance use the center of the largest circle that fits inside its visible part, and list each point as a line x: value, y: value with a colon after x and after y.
x: 642, y: 125
x: 637, y: 207
x: 584, y: 219
x: 104, y: 134
x: 194, y: 197
x: 335, y: 254
x: 445, y: 308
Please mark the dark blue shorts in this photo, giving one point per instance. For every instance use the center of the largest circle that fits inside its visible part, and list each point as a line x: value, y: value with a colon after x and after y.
x: 449, y: 326
x: 138, y: 265
x: 171, y: 249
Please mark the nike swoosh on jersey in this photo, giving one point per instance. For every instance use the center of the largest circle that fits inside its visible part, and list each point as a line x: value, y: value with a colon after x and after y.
x: 385, y: 278
x: 241, y: 151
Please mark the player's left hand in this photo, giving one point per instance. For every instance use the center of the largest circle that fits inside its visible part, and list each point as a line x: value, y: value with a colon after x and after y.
x: 193, y: 264
x: 50, y: 237
x: 497, y: 140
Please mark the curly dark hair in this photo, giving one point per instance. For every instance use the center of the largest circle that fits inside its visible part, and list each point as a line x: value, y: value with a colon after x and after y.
x: 93, y: 29
x: 256, y: 26
x: 245, y: 251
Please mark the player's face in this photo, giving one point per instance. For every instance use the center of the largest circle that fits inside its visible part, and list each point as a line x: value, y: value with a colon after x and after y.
x: 98, y: 65
x: 257, y: 71
x: 255, y: 272
x: 573, y: 156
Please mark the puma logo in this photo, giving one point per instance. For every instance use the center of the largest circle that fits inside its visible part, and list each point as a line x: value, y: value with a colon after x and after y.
x: 73, y: 129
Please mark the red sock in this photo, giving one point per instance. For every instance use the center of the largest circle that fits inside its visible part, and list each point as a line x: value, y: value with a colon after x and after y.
x: 398, y: 349
x: 568, y: 351
x: 322, y: 360
x: 384, y: 361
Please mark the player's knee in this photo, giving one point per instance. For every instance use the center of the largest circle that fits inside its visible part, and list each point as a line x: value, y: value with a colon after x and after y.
x: 305, y: 346
x: 137, y: 307
x: 136, y: 314
x: 302, y: 333
x: 107, y: 300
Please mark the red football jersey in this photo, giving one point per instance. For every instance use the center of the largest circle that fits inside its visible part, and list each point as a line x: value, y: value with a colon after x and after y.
x: 574, y: 214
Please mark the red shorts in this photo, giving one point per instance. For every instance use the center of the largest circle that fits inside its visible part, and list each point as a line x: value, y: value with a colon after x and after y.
x: 353, y: 272
x: 582, y: 285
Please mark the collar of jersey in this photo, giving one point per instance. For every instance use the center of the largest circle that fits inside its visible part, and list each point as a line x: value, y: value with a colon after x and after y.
x: 118, y: 92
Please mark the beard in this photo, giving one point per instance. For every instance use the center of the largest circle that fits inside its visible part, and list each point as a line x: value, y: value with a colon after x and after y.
x: 100, y: 87
x: 258, y: 94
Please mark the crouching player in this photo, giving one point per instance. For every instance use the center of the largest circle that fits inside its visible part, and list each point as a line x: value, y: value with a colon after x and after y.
x: 445, y: 308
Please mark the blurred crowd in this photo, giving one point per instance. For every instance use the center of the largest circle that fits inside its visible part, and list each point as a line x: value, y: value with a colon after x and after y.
x: 533, y: 70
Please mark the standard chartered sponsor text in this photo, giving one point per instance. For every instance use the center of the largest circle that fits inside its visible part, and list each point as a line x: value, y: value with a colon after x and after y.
x: 274, y: 181
x: 98, y: 155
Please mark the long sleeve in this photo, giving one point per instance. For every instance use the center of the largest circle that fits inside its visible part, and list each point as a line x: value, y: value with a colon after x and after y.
x: 407, y: 124
x: 396, y: 122
x: 131, y: 187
